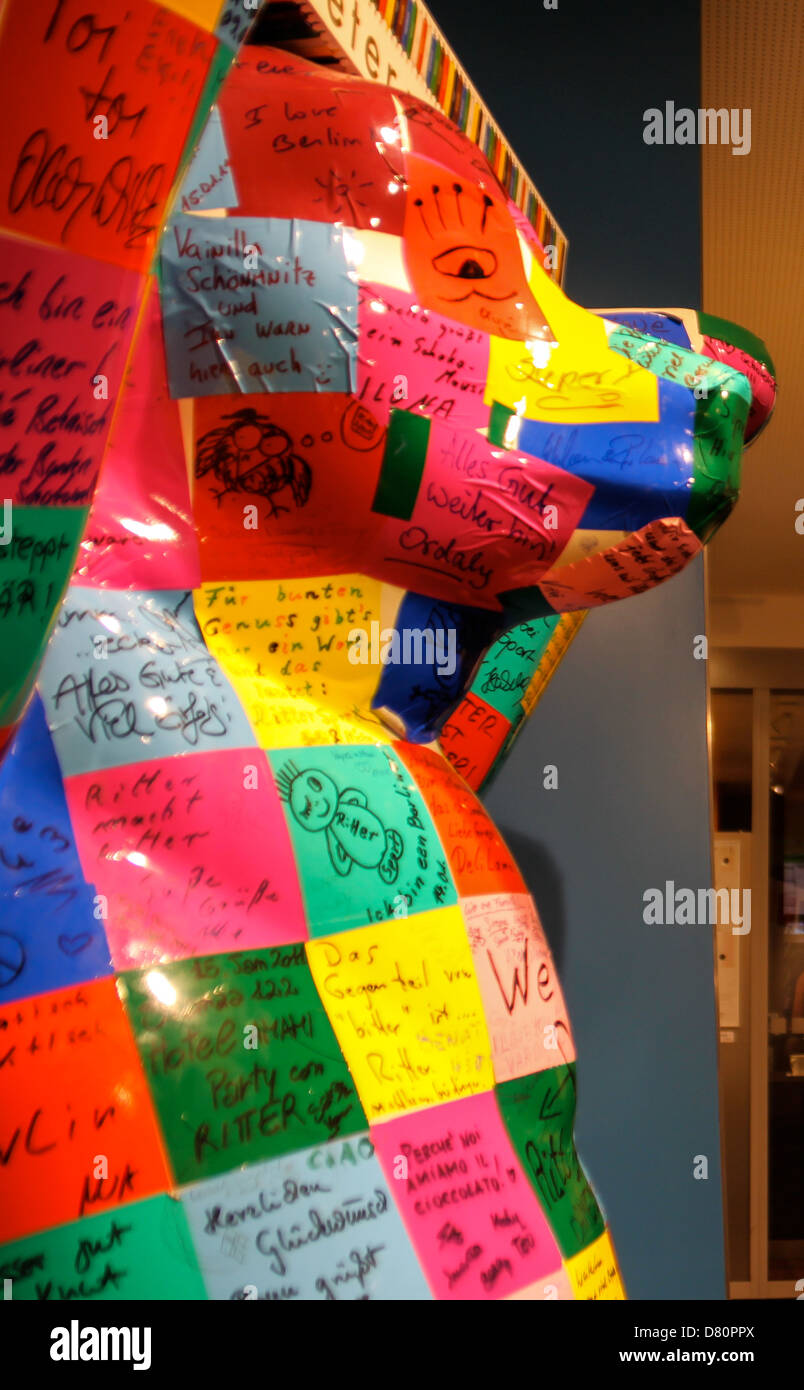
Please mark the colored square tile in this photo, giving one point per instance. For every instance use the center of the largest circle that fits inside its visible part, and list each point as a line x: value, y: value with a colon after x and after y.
x: 411, y: 354
x: 286, y: 644
x: 334, y: 441
x: 307, y: 155
x: 191, y: 854
x: 296, y: 275
x: 405, y: 1004
x: 64, y: 317
x: 365, y: 844
x: 79, y: 1133
x: 472, y: 738
x: 34, y: 571
x: 51, y: 928
x: 127, y: 676
x: 241, y: 1059
x: 594, y: 1273
x: 48, y: 944
x: 470, y: 1210
x: 525, y: 1010
x: 429, y: 661
x: 317, y: 1224
x: 479, y: 859
x: 504, y: 674
x: 142, y: 1252
x: 468, y: 521
x: 159, y: 63
x: 539, y: 1112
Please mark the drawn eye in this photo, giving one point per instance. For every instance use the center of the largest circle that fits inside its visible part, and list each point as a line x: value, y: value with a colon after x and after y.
x: 466, y: 263
x: 315, y: 784
x: 247, y: 437
x: 272, y: 445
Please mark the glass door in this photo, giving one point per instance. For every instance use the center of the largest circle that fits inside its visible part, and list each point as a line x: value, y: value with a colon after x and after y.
x: 785, y: 1134
x: 731, y: 726
x: 757, y: 751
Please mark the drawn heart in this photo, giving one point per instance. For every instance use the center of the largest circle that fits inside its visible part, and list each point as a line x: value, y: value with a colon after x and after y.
x: 74, y: 945
x: 12, y: 958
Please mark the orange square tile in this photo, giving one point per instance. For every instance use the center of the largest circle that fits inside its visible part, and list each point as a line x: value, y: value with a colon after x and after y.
x: 78, y: 1133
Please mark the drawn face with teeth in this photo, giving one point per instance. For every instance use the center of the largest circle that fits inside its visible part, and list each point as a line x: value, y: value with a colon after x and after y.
x: 249, y: 453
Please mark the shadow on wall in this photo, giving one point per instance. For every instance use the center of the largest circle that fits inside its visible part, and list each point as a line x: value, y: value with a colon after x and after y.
x: 624, y: 723
x: 542, y: 874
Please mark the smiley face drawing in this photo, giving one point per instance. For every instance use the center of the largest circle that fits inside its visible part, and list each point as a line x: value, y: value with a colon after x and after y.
x: 354, y: 834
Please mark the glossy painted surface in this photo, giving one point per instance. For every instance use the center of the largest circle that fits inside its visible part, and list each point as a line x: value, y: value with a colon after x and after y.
x: 287, y: 972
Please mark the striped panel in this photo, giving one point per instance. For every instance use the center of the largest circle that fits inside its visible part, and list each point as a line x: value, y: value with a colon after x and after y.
x: 413, y: 27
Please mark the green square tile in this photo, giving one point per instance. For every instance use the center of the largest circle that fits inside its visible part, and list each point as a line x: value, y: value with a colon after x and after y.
x: 510, y: 663
x: 140, y: 1251
x: 365, y: 844
x: 402, y: 464
x: 240, y: 1057
x: 35, y: 565
x: 720, y: 421
x: 499, y: 415
x: 539, y: 1111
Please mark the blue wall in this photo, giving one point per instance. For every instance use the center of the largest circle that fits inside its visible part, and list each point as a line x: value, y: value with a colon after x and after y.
x: 625, y: 718
x: 624, y: 721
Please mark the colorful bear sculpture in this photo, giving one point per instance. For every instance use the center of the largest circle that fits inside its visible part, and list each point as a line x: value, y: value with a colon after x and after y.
x: 277, y: 1015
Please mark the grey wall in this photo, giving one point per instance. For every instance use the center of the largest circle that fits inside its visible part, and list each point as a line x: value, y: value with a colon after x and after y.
x: 624, y: 721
